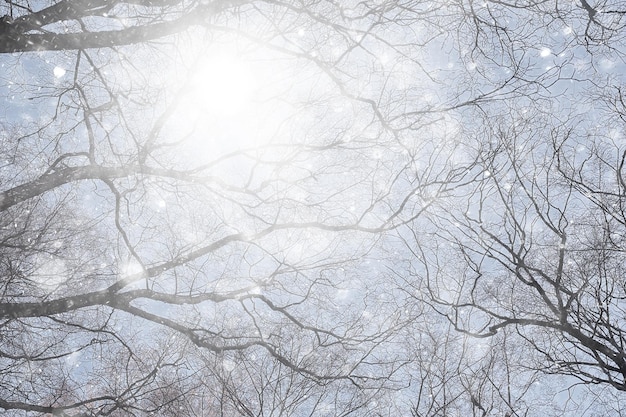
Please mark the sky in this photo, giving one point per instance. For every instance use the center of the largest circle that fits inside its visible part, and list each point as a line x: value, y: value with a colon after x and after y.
x: 340, y: 186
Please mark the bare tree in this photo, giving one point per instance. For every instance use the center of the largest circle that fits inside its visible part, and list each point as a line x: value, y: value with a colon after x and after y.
x: 141, y: 206
x: 538, y: 240
x: 201, y: 204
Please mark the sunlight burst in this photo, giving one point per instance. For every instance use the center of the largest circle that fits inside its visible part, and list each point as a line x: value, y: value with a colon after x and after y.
x: 222, y: 108
x: 223, y: 86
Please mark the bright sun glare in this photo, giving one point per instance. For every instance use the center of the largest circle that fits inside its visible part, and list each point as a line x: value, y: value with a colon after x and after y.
x: 224, y: 85
x: 222, y: 109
